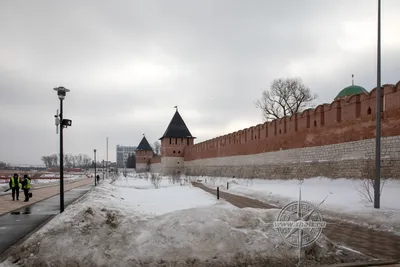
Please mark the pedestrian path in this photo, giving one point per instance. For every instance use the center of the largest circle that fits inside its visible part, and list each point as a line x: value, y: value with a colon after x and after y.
x: 7, y: 204
x: 23, y: 221
x: 378, y: 244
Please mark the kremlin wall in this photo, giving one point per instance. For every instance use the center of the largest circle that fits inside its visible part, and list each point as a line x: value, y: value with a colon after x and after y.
x: 335, y: 140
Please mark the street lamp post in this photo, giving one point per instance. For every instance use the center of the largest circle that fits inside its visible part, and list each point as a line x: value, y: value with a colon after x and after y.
x: 95, y: 177
x: 107, y: 160
x: 103, y: 169
x: 377, y: 184
x: 61, y: 92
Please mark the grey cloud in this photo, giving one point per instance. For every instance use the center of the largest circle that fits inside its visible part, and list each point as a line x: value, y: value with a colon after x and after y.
x: 221, y: 54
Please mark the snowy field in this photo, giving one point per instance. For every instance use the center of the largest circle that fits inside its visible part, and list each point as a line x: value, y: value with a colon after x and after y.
x: 132, y: 222
x: 343, y: 201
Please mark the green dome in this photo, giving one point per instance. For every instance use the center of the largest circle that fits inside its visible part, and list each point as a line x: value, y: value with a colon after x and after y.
x: 351, y: 90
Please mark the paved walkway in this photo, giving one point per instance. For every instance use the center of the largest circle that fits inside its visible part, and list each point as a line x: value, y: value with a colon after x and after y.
x: 23, y: 221
x: 7, y: 204
x: 378, y: 244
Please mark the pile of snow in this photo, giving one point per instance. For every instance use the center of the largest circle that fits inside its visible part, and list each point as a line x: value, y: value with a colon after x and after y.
x: 130, y: 222
x: 343, y: 198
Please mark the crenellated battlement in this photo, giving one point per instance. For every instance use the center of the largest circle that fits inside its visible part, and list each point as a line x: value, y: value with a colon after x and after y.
x: 344, y: 120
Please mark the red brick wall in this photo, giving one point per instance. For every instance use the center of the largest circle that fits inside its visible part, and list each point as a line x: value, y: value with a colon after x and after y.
x: 144, y: 156
x: 341, y: 121
x: 174, y: 147
x: 156, y: 159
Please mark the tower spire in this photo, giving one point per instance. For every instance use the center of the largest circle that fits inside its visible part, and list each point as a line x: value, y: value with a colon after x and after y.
x: 176, y: 108
x: 352, y: 79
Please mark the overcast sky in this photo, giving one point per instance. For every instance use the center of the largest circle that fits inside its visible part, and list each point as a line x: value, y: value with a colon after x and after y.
x: 128, y: 63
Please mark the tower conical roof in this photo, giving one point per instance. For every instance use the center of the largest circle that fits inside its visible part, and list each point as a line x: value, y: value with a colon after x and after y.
x: 177, y: 128
x: 144, y: 145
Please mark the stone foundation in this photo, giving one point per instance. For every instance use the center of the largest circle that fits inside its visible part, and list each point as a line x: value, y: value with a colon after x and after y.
x: 332, y: 169
x: 345, y: 160
x: 156, y: 167
x: 142, y: 167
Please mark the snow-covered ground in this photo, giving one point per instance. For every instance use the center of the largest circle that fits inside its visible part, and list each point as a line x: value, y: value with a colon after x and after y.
x: 67, y: 178
x: 131, y: 223
x: 343, y: 198
x: 57, y: 175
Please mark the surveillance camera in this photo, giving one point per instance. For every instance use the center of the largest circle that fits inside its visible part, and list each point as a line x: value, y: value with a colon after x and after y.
x: 66, y: 122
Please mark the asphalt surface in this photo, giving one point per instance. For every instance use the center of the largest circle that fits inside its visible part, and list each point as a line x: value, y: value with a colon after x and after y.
x: 16, y: 225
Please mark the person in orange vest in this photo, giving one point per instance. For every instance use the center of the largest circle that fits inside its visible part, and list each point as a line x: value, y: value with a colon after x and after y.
x: 26, y: 185
x: 14, y: 185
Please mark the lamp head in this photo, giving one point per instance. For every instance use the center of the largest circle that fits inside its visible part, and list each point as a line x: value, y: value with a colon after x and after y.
x: 61, y: 92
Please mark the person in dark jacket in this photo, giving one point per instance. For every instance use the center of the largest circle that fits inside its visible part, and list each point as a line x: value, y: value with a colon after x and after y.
x: 26, y: 185
x: 14, y: 185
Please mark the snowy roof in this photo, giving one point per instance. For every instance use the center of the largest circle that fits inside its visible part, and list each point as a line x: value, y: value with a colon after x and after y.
x: 177, y: 128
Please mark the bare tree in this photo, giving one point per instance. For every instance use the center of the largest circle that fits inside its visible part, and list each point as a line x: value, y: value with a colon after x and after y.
x: 70, y: 161
x: 87, y: 161
x: 46, y: 161
x: 156, y: 148
x: 175, y: 177
x: 4, y: 165
x: 285, y: 98
x: 155, y: 179
x: 367, y: 185
x: 55, y: 160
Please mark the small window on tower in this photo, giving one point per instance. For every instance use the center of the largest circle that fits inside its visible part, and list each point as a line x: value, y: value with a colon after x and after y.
x: 179, y: 152
x: 174, y: 151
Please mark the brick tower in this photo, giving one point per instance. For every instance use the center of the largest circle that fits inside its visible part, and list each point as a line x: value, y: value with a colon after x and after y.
x: 144, y: 154
x: 173, y: 142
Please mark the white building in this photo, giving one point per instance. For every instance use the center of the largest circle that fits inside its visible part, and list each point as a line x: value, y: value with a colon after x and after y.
x: 123, y: 153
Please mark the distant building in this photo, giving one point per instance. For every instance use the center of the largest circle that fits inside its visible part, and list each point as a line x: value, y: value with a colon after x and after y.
x: 123, y: 153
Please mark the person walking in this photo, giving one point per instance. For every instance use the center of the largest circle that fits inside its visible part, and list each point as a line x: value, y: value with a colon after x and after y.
x: 26, y: 185
x: 14, y: 185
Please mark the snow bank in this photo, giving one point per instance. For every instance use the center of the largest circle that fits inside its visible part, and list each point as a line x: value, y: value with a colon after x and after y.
x: 343, y: 202
x: 119, y: 225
